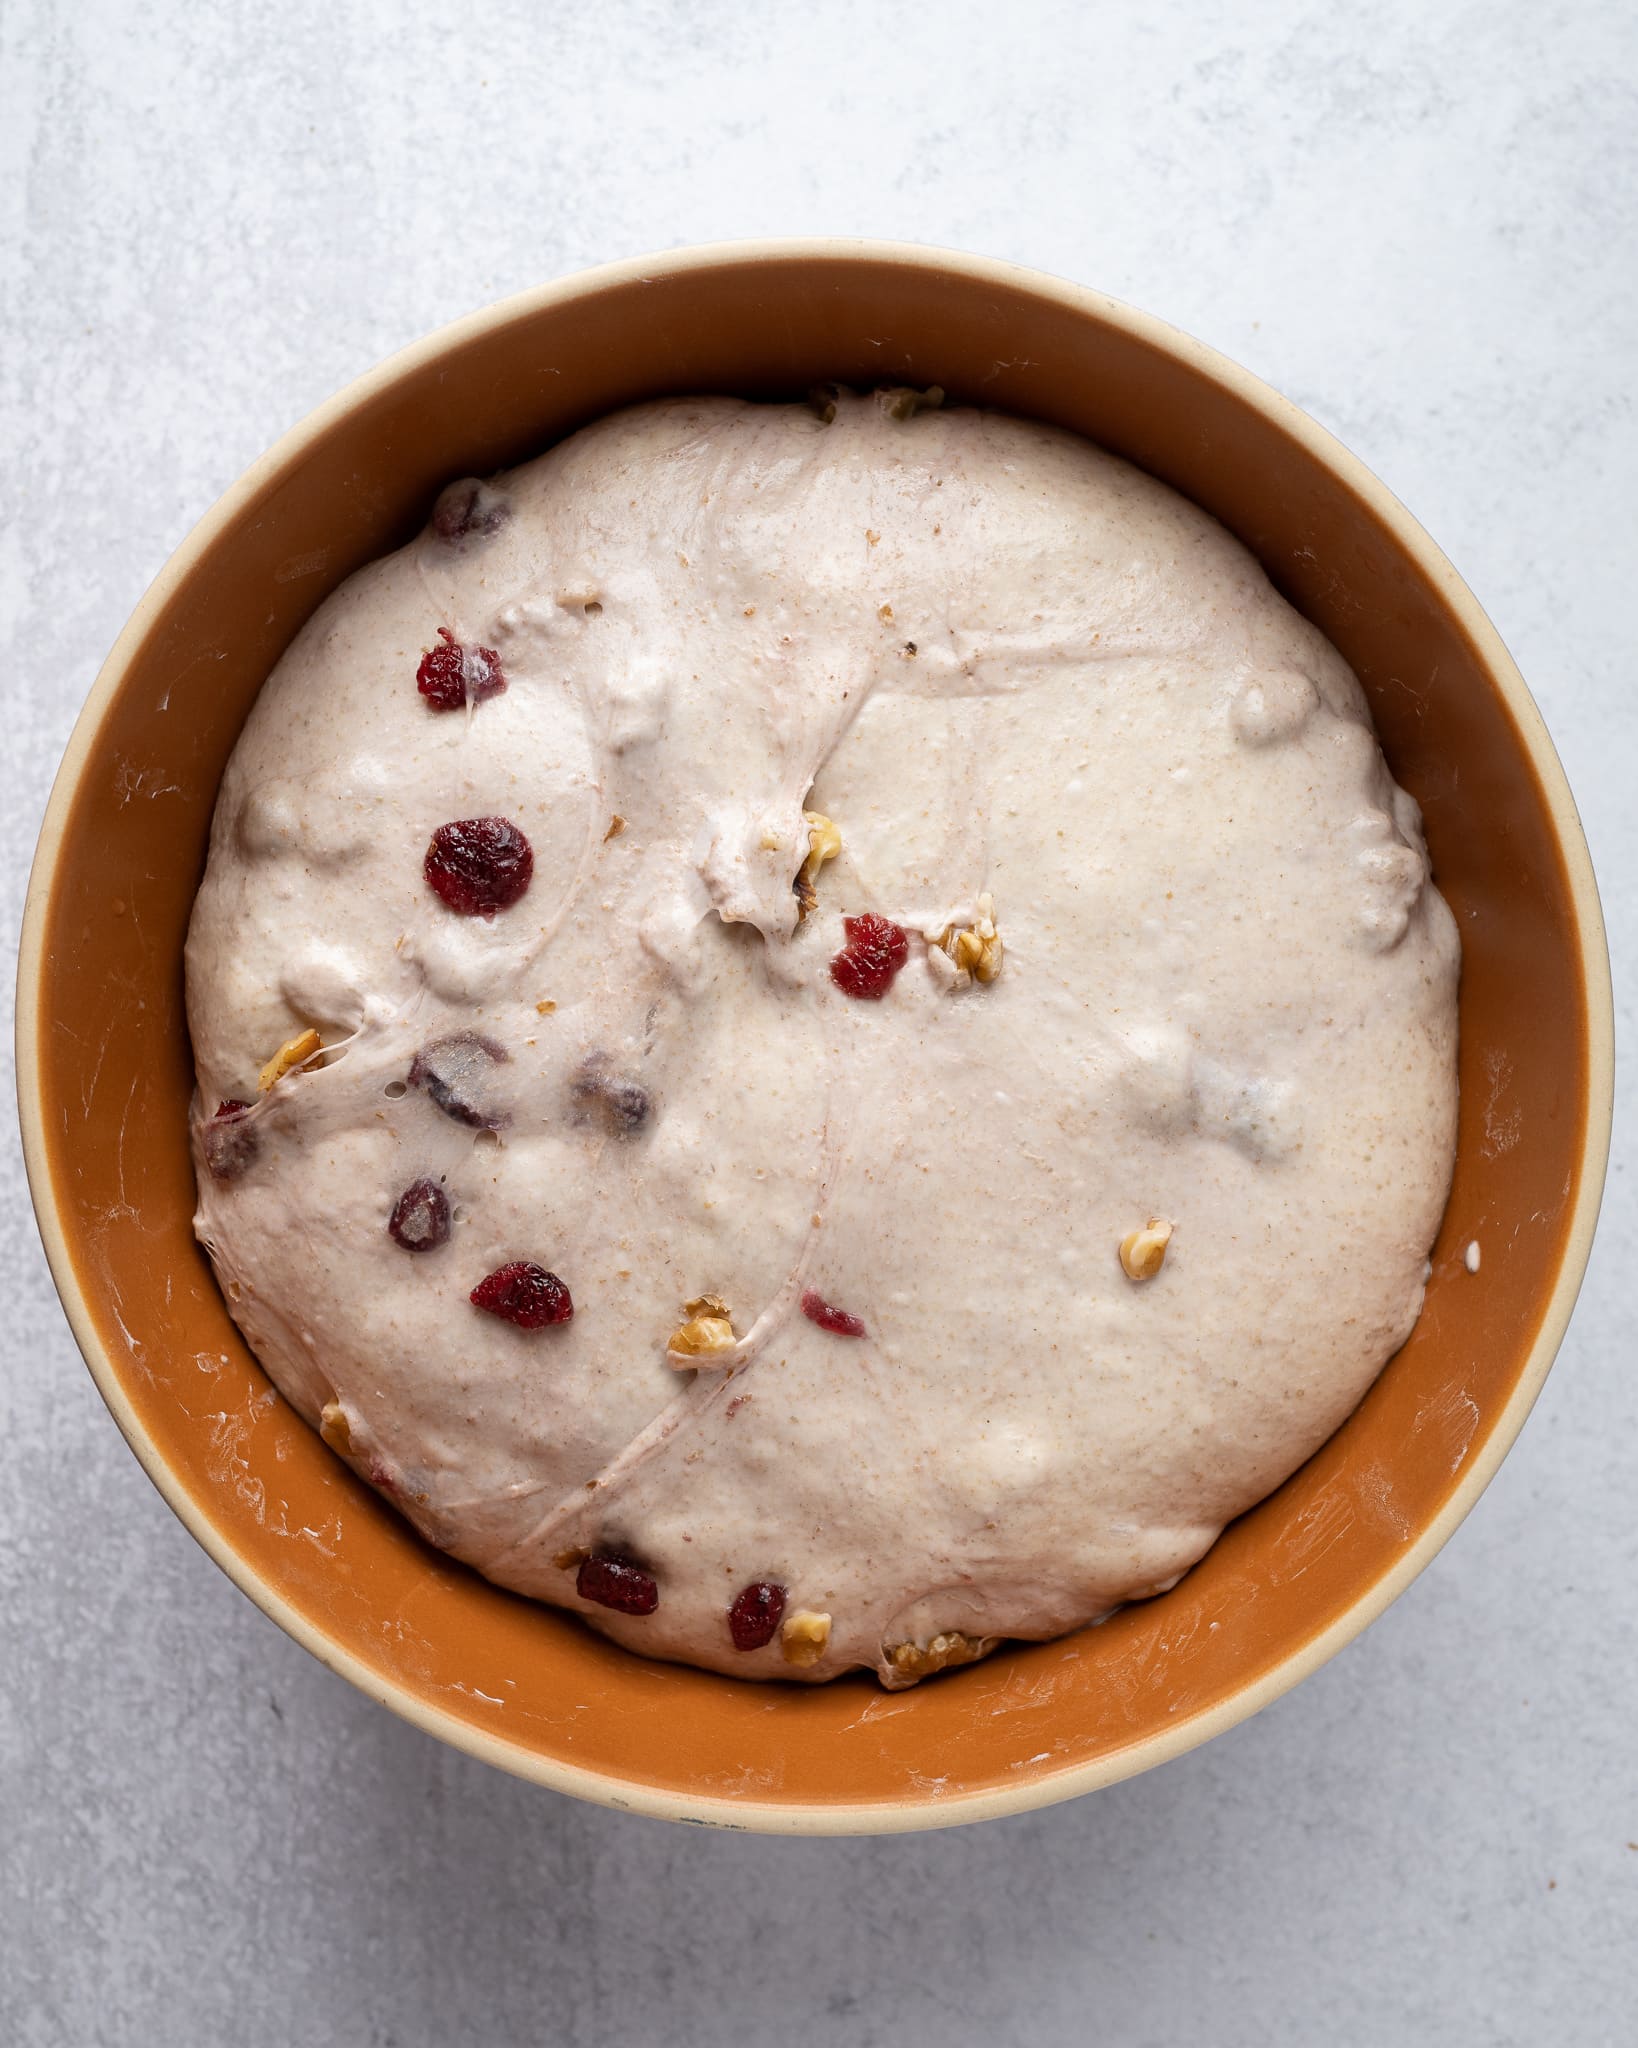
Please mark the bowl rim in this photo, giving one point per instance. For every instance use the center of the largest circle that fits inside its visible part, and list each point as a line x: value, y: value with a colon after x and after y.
x: 842, y: 1816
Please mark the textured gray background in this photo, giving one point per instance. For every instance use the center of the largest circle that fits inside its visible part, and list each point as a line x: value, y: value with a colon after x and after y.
x: 1418, y: 220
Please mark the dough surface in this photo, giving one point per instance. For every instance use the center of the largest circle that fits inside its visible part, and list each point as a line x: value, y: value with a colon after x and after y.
x: 1007, y: 666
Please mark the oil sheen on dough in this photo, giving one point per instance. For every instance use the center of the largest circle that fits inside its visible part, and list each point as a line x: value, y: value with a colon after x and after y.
x: 1004, y: 664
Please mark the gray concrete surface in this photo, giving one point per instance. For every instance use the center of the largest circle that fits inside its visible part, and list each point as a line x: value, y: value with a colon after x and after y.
x: 1417, y: 219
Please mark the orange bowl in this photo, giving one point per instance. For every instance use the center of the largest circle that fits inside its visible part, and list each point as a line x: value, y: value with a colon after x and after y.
x: 105, y: 1069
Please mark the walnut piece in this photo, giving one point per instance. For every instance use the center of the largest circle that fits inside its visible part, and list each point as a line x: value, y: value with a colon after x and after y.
x: 824, y: 843
x: 921, y: 1660
x: 708, y: 1332
x: 804, y: 1637
x: 295, y: 1052
x: 333, y: 1427
x: 902, y: 403
x: 975, y: 948
x: 1143, y: 1252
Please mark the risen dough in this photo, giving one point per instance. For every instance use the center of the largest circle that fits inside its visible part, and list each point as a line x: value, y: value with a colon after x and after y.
x: 1004, y: 664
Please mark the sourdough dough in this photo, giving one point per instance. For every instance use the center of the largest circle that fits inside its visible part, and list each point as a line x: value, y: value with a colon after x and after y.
x: 1007, y: 667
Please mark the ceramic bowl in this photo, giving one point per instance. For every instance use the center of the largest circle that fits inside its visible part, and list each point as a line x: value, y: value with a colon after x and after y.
x: 105, y: 1072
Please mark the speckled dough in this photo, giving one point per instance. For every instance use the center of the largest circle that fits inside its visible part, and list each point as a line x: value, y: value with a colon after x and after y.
x: 1004, y: 663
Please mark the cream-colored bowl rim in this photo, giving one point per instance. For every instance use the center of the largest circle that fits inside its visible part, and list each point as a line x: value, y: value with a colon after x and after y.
x: 843, y: 1817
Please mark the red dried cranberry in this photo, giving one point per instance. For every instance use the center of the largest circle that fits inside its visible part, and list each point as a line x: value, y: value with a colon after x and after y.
x: 420, y: 1217
x: 618, y: 1583
x: 229, y: 1142
x: 468, y: 509
x: 451, y: 674
x: 818, y: 1310
x: 479, y: 865
x: 755, y: 1614
x: 620, y: 1104
x: 525, y: 1294
x: 458, y: 1073
x: 875, y: 951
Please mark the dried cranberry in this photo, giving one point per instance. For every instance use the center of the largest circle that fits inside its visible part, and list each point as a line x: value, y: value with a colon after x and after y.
x: 420, y: 1217
x: 451, y: 675
x: 479, y: 865
x: 818, y: 1310
x: 458, y: 1073
x: 229, y: 1142
x: 619, y: 1103
x: 468, y: 509
x: 755, y: 1614
x: 525, y: 1294
x: 618, y: 1583
x: 875, y: 951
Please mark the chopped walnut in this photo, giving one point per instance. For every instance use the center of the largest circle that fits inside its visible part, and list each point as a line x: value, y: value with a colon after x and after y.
x: 295, y: 1052
x: 975, y: 948
x: 901, y: 403
x: 805, y: 1636
x: 824, y: 843
x: 571, y: 1560
x: 921, y: 1660
x: 334, y: 1429
x: 1143, y: 1252
x: 708, y: 1332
